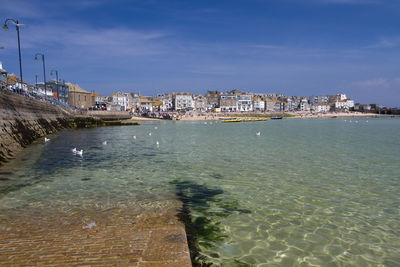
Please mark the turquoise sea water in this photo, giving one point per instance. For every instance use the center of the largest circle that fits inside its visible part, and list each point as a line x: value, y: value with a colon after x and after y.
x: 306, y: 192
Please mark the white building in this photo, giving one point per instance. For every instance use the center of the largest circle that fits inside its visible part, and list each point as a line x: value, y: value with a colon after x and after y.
x: 124, y: 100
x: 167, y: 102
x: 200, y: 103
x: 3, y: 76
x: 228, y: 102
x: 321, y: 107
x: 135, y: 101
x: 146, y: 104
x: 245, y: 102
x: 318, y: 99
x: 183, y: 101
x: 304, y: 106
x: 345, y: 104
x: 258, y: 104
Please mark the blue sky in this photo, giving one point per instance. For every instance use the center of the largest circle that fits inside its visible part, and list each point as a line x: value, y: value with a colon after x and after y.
x: 295, y: 47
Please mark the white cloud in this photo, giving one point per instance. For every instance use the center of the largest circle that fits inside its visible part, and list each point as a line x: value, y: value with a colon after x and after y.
x: 381, y: 90
x: 115, y: 41
x: 386, y: 43
x: 264, y: 46
x: 21, y: 9
x: 373, y: 83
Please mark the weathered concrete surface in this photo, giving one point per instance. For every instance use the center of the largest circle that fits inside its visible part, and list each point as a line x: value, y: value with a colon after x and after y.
x: 23, y: 120
x: 111, y: 237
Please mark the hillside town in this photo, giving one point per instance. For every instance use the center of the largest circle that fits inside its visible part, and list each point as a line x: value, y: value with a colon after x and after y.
x: 73, y: 96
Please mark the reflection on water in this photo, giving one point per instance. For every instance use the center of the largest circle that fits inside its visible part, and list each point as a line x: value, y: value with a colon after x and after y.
x: 304, y: 192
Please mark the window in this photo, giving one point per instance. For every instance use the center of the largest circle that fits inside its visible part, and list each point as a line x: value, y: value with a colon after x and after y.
x: 85, y: 98
x: 79, y: 97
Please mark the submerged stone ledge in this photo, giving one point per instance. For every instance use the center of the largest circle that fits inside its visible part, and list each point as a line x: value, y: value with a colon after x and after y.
x: 89, y: 122
x: 92, y: 237
x: 49, y: 236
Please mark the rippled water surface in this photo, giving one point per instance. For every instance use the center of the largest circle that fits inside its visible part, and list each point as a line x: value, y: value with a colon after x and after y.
x: 305, y: 192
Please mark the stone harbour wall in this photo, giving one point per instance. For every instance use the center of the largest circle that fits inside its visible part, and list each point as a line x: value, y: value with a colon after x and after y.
x: 23, y: 120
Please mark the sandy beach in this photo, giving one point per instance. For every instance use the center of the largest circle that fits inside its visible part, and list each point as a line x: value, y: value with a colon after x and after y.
x: 336, y: 115
x: 218, y: 116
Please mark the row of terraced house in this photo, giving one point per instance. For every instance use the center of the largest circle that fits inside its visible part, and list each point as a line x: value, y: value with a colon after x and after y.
x: 232, y: 101
x: 212, y: 101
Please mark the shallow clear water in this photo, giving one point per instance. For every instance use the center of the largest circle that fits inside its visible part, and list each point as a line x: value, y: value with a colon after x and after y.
x: 305, y: 192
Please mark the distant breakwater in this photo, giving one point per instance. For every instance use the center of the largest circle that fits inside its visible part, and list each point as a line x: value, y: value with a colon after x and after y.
x: 24, y: 120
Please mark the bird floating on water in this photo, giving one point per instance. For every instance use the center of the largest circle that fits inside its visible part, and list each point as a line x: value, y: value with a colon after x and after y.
x: 79, y: 152
x: 74, y: 150
x: 158, y: 144
x: 258, y: 133
x: 149, y: 134
x: 104, y: 143
x: 134, y: 137
x: 156, y: 127
x: 46, y: 139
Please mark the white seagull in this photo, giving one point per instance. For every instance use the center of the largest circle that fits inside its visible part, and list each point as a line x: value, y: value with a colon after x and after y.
x: 258, y: 133
x: 158, y: 144
x: 156, y: 127
x: 134, y: 137
x: 46, y: 139
x: 104, y: 143
x: 74, y: 150
x: 149, y: 134
x: 79, y: 152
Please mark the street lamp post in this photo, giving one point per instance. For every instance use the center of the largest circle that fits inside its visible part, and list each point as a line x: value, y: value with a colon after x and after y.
x: 51, y: 73
x: 5, y: 27
x: 44, y: 72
